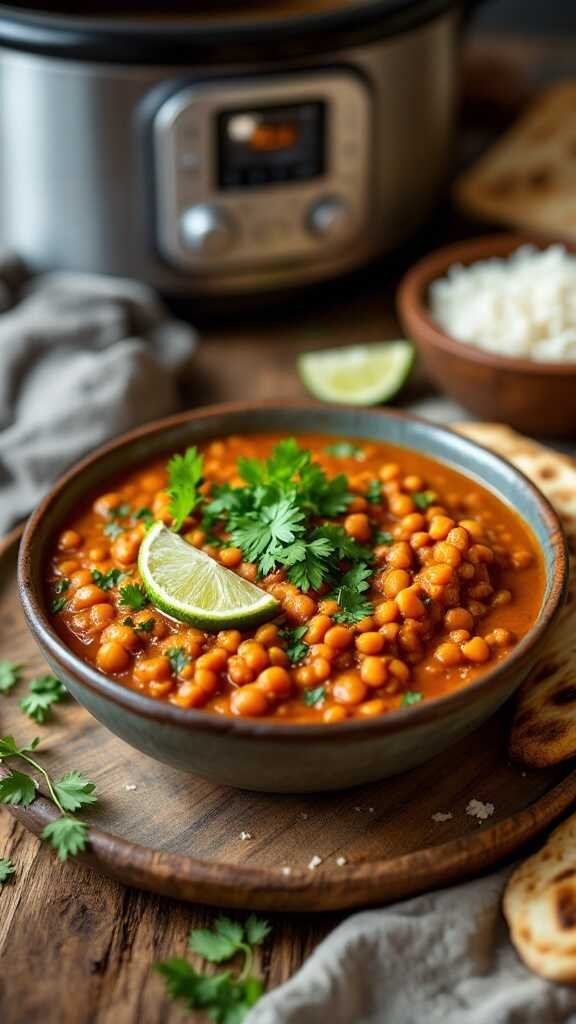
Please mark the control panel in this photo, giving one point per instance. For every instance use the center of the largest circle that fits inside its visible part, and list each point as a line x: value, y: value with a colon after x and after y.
x: 260, y: 170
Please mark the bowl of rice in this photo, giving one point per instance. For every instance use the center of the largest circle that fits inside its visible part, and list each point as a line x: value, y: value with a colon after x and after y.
x: 495, y: 321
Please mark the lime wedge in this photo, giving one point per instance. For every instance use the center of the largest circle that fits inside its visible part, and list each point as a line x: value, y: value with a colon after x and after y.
x: 358, y: 374
x: 192, y: 587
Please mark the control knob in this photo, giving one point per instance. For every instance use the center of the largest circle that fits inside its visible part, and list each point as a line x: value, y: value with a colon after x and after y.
x: 206, y: 230
x: 330, y: 218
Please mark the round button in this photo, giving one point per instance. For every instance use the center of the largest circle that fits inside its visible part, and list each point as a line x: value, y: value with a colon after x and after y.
x: 330, y: 218
x: 206, y: 230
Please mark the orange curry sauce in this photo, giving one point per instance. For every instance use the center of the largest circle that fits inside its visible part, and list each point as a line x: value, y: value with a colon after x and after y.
x: 458, y: 580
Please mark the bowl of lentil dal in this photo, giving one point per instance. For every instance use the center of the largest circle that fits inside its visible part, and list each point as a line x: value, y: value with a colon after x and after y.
x: 408, y: 579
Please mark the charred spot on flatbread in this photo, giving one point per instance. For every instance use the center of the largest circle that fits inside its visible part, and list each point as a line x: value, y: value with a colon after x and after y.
x: 564, y: 875
x: 566, y: 907
x: 567, y: 695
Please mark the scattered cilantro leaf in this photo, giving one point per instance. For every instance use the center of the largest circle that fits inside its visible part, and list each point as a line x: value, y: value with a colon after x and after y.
x: 113, y: 530
x: 9, y: 748
x: 350, y: 592
x: 423, y: 499
x: 178, y: 659
x: 313, y: 697
x: 7, y: 869
x: 139, y: 627
x: 17, y: 789
x: 67, y: 835
x: 120, y: 511
x: 308, y: 562
x: 295, y: 648
x: 74, y: 791
x: 62, y: 585
x: 212, y: 945
x: 374, y: 492
x: 344, y: 450
x: 264, y: 534
x: 412, y: 697
x: 257, y: 929
x: 43, y: 693
x: 57, y: 605
x: 10, y: 674
x: 184, y: 477
x: 345, y: 547
x: 107, y: 580
x: 144, y: 513
x: 383, y: 537
x: 134, y: 596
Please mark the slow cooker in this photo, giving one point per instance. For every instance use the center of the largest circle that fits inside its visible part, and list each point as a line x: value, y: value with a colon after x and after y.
x: 213, y: 149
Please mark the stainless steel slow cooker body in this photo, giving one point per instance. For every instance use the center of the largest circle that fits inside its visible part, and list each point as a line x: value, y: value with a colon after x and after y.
x: 217, y: 172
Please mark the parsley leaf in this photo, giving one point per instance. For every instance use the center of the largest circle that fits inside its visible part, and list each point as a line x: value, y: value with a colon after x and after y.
x: 295, y: 648
x: 313, y: 697
x: 67, y: 835
x: 178, y: 659
x: 344, y: 450
x: 17, y: 789
x: 218, y: 945
x: 349, y: 594
x: 412, y: 697
x: 134, y: 596
x: 184, y: 476
x: 113, y: 530
x: 6, y: 869
x: 344, y: 546
x: 74, y: 791
x: 309, y: 567
x: 107, y: 580
x: 257, y: 929
x: 264, y: 534
x: 374, y: 492
x: 423, y: 499
x: 44, y: 691
x: 10, y: 674
x: 8, y: 747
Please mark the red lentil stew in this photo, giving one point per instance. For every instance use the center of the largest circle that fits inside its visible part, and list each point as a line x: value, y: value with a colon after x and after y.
x: 399, y: 579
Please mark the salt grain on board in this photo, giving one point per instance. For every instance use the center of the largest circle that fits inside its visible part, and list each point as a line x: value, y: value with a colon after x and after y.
x: 130, y: 787
x: 341, y: 861
x: 245, y: 835
x: 315, y: 862
x: 479, y: 810
x: 440, y: 816
x: 286, y: 870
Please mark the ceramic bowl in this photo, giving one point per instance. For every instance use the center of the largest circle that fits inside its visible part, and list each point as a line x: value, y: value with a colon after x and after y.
x: 536, y: 398
x: 261, y: 755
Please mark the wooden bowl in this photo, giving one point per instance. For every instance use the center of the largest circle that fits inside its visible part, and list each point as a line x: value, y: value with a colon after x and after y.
x: 259, y: 754
x: 536, y: 398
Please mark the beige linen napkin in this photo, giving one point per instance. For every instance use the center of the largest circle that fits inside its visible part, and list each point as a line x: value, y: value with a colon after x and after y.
x: 442, y: 958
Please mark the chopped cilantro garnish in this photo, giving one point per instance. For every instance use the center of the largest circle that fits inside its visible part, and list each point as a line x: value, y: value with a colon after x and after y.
x: 313, y: 697
x: 44, y: 692
x: 58, y: 604
x: 184, y: 478
x: 344, y: 450
x: 121, y: 511
x: 374, y: 492
x: 139, y: 627
x: 350, y: 594
x: 295, y: 648
x: 143, y: 513
x: 423, y: 499
x: 113, y: 529
x: 134, y: 596
x: 10, y: 674
x: 61, y: 586
x: 384, y: 537
x: 178, y: 659
x: 412, y: 697
x: 107, y: 580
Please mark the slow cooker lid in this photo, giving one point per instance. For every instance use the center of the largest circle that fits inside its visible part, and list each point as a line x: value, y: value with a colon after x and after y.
x: 205, y: 31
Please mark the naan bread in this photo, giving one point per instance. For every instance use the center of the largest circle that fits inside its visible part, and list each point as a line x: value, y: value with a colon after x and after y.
x: 528, y: 178
x: 540, y: 906
x: 544, y: 724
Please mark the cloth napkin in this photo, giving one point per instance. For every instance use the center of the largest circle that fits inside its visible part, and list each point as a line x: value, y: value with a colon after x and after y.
x: 83, y: 358
x: 442, y: 958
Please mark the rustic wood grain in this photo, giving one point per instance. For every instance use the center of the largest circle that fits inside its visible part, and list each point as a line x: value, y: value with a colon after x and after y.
x: 76, y: 947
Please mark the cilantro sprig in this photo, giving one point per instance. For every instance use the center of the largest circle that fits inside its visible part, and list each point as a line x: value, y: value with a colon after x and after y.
x: 107, y: 580
x: 351, y: 594
x: 7, y: 869
x: 315, y: 696
x: 226, y: 997
x: 67, y: 834
x: 44, y: 691
x: 134, y: 596
x: 10, y: 675
x: 184, y: 477
x: 295, y: 647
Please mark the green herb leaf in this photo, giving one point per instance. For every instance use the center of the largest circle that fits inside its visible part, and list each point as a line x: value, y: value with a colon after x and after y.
x: 44, y: 692
x: 134, y: 596
x: 74, y: 791
x: 384, y: 538
x: 17, y: 789
x: 67, y: 835
x: 7, y: 869
x: 264, y: 534
x: 211, y: 946
x: 313, y: 697
x: 344, y: 450
x: 310, y: 564
x: 139, y: 627
x: 58, y: 604
x: 9, y: 748
x: 295, y: 648
x: 350, y: 592
x: 231, y: 930
x: 10, y: 675
x: 62, y: 585
x: 113, y: 530
x: 121, y: 511
x: 412, y: 697
x: 107, y: 580
x: 184, y: 477
x: 144, y: 513
x: 178, y: 659
x: 374, y: 492
x: 257, y: 929
x: 423, y: 499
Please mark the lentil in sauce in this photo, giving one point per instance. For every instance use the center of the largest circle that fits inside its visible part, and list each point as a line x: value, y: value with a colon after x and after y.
x: 456, y: 581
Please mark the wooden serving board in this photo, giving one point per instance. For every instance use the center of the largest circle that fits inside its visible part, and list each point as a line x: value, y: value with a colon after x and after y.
x: 159, y: 829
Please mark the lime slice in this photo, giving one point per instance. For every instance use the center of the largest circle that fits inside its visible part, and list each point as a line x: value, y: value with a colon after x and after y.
x: 192, y: 587
x: 358, y: 374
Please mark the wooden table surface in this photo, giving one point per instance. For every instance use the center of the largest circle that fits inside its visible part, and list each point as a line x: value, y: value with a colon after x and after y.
x: 75, y: 947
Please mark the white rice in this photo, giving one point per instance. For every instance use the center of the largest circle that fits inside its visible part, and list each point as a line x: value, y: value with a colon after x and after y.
x: 522, y: 306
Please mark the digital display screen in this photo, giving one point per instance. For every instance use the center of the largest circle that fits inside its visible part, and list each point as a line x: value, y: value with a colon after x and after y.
x: 271, y: 145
